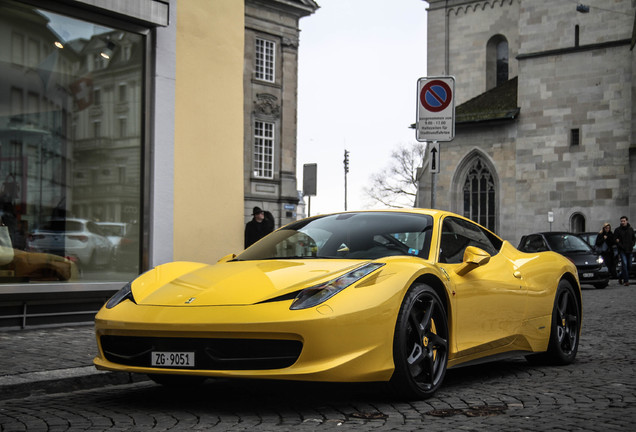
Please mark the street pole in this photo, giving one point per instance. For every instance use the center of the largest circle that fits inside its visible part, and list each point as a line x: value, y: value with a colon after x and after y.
x: 346, y: 170
x: 434, y: 179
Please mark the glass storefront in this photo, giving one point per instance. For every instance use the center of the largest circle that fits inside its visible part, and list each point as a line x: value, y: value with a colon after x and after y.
x: 71, y: 148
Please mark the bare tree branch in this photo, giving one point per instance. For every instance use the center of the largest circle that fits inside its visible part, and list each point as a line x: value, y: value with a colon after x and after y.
x: 396, y: 185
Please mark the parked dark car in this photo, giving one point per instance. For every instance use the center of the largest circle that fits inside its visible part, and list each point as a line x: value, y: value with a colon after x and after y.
x: 590, y: 266
x: 590, y: 237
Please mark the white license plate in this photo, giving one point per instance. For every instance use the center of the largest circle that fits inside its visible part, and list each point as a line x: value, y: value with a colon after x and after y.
x: 588, y: 275
x: 172, y: 359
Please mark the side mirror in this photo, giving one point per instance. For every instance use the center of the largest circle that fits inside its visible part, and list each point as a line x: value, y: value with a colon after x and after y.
x: 227, y: 258
x: 473, y: 258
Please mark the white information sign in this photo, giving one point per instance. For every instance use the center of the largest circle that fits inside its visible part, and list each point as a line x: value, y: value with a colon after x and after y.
x: 435, y: 109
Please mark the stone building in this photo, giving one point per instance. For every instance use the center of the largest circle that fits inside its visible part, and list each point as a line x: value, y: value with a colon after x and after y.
x: 545, y: 99
x: 270, y: 105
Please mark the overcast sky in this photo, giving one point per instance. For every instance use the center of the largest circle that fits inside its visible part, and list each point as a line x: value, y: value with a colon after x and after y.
x: 359, y: 61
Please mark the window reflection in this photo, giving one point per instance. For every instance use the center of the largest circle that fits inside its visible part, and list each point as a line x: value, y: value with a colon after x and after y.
x: 70, y: 147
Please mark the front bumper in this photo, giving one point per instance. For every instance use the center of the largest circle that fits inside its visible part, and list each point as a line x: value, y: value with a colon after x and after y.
x: 257, y: 341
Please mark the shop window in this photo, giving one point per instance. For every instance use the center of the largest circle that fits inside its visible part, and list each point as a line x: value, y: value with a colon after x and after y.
x: 60, y: 141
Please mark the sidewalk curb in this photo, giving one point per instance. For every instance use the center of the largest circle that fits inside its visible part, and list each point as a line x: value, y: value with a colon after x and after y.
x: 61, y: 380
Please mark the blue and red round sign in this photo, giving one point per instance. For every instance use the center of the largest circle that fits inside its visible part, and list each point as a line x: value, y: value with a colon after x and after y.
x: 436, y: 96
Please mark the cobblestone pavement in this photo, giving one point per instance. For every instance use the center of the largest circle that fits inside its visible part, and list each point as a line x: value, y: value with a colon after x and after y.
x: 596, y: 393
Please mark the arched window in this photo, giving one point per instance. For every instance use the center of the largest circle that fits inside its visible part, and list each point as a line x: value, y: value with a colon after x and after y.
x: 479, y: 195
x: 496, y: 61
x: 577, y: 223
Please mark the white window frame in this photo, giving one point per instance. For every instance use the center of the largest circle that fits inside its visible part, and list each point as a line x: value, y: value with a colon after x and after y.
x: 265, y: 60
x: 263, y: 149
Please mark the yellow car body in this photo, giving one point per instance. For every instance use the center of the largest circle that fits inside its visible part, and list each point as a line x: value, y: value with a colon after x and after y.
x: 494, y: 303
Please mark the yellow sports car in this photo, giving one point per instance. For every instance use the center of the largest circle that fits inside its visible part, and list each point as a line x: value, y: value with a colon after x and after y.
x: 392, y: 295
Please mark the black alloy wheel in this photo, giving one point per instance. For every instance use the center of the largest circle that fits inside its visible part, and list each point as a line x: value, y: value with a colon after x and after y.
x: 420, y: 344
x: 564, y: 330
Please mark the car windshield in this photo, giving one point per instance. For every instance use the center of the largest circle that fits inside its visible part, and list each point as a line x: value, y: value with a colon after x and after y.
x: 368, y: 235
x: 567, y: 243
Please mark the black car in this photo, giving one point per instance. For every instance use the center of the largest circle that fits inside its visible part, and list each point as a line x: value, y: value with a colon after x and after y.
x: 590, y: 237
x: 591, y: 268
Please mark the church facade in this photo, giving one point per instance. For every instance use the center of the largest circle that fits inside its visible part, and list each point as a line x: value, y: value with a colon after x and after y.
x: 545, y: 97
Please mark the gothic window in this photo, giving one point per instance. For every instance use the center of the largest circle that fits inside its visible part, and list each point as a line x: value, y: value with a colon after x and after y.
x: 479, y: 195
x: 496, y: 61
x: 263, y: 149
x: 264, y: 62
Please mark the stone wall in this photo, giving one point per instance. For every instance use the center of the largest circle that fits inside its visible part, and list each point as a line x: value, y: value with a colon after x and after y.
x: 562, y: 86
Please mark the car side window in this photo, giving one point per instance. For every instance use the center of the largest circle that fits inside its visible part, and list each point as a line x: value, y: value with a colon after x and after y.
x: 458, y: 234
x: 533, y: 243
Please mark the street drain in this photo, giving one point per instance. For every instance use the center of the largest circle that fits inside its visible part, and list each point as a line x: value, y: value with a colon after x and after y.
x: 473, y: 411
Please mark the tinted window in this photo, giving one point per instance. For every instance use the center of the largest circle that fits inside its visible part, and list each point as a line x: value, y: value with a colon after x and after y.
x: 458, y: 234
x: 349, y: 236
x: 533, y: 243
x: 567, y: 243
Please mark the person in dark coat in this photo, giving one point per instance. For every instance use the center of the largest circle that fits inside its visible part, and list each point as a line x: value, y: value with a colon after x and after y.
x: 625, y: 240
x: 606, y: 244
x: 262, y: 223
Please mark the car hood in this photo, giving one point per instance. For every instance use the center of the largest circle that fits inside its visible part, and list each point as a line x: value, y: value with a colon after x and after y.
x: 239, y: 282
x: 582, y: 258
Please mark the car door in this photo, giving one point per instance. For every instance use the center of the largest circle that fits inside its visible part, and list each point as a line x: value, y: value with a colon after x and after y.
x: 489, y: 300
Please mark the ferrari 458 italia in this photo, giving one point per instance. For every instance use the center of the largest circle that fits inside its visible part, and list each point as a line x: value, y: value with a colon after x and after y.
x: 396, y: 296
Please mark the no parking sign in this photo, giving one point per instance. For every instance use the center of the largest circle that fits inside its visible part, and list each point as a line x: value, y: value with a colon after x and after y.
x: 435, y: 109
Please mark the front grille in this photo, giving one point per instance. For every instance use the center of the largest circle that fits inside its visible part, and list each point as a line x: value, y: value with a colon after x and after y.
x: 210, y: 354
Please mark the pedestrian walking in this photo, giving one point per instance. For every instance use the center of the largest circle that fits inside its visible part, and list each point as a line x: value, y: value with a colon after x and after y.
x: 606, y: 244
x: 625, y: 240
x: 262, y: 223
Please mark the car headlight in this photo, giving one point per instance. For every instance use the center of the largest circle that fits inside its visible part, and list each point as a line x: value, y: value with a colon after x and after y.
x: 315, y: 295
x: 600, y: 260
x: 123, y: 294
